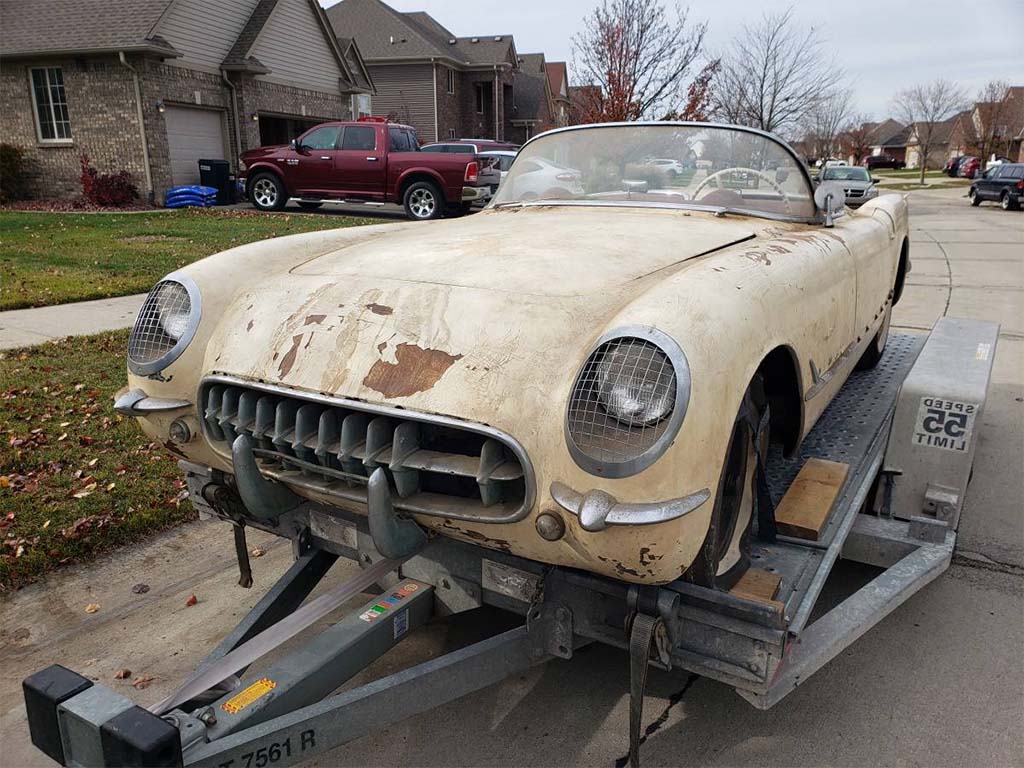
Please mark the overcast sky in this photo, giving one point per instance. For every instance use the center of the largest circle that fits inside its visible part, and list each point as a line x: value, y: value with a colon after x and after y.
x: 883, y: 45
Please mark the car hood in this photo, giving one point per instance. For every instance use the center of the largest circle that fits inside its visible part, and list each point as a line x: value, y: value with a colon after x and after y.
x: 541, y: 251
x: 459, y: 313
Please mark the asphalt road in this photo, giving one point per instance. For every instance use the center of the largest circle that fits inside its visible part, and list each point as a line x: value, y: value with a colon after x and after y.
x: 940, y: 682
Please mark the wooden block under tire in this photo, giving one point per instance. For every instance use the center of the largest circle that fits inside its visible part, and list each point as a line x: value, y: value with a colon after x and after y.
x: 758, y: 585
x: 805, y: 508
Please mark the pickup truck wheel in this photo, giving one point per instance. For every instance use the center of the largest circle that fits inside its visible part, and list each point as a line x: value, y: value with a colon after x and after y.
x: 973, y: 195
x: 725, y: 554
x: 268, y: 193
x: 423, y: 201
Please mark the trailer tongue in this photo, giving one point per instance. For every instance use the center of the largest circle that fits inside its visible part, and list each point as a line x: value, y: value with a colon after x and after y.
x: 880, y: 481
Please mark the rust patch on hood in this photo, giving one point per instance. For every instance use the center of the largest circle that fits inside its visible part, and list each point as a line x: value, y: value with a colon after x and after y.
x: 311, y: 319
x: 380, y: 309
x: 285, y: 366
x: 417, y: 370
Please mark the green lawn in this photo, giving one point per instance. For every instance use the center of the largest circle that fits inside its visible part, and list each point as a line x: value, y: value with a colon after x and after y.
x: 75, y: 477
x: 55, y: 258
x: 907, y: 173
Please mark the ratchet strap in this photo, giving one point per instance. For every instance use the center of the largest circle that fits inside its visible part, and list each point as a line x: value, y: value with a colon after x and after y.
x: 765, y: 506
x: 242, y: 554
x: 641, y: 636
x: 269, y: 639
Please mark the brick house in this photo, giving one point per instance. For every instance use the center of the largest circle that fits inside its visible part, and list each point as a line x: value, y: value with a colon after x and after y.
x: 533, y: 109
x: 443, y: 85
x: 151, y: 86
x: 558, y: 82
x: 890, y: 138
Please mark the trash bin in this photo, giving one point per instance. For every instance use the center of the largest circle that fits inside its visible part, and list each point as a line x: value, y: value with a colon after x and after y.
x: 217, y: 174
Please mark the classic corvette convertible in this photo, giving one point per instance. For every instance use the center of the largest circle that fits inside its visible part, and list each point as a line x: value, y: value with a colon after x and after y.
x: 588, y: 375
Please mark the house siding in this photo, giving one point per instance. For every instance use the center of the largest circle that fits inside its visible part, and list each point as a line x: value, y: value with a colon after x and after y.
x: 406, y: 92
x: 104, y: 123
x: 203, y: 34
x: 293, y: 47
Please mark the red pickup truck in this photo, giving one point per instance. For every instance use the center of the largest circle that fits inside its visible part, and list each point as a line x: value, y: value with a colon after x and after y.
x: 364, y: 161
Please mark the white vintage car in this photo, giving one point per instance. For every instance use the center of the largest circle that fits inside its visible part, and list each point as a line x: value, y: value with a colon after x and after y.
x: 589, y: 379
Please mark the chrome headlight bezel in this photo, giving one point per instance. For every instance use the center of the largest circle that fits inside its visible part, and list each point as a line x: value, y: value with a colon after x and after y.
x: 149, y: 318
x: 656, y: 437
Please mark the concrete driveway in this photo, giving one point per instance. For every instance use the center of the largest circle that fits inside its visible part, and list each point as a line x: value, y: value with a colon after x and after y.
x: 940, y: 682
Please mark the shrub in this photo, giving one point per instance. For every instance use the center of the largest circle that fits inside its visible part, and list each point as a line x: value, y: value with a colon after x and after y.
x: 107, y: 189
x: 13, y: 184
x: 655, y: 178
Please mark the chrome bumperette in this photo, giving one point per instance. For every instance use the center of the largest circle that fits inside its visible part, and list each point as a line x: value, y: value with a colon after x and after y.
x: 136, y: 402
x: 330, y: 447
x: 597, y: 509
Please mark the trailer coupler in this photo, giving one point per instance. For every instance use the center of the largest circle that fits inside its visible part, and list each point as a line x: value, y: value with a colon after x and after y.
x: 285, y: 713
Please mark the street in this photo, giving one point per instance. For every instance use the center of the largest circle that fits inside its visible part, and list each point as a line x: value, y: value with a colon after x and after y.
x: 939, y: 682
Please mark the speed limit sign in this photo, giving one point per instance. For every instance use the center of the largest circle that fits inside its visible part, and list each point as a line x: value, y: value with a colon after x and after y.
x: 945, y: 424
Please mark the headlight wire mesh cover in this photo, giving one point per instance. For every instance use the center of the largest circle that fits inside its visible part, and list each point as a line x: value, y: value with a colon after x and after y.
x: 150, y: 347
x: 608, y: 445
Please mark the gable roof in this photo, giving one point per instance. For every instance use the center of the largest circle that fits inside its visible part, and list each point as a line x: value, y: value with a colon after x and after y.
x: 32, y: 27
x: 385, y: 34
x: 558, y: 78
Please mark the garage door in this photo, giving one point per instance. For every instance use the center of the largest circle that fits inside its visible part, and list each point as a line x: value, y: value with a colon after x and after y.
x: 193, y: 134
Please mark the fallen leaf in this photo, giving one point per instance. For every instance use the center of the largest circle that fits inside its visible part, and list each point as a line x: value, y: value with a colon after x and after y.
x: 46, y: 525
x: 191, y: 601
x: 122, y: 674
x: 62, y: 438
x: 93, y: 463
x: 92, y: 607
x: 4, y: 481
x: 142, y: 682
x: 258, y: 551
x: 140, y: 589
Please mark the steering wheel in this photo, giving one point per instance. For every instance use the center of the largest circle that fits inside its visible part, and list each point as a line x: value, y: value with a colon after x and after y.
x: 770, y: 181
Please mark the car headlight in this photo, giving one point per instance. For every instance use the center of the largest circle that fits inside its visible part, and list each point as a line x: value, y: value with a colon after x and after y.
x: 165, y: 325
x: 627, y: 403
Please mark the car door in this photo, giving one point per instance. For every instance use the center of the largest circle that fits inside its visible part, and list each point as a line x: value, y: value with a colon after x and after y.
x: 312, y: 172
x: 359, y: 164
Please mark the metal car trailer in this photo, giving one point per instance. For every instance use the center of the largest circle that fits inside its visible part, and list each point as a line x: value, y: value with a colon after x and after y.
x: 906, y: 431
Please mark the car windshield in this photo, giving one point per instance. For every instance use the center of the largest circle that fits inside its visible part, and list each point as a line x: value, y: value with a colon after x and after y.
x: 712, y: 167
x: 845, y: 173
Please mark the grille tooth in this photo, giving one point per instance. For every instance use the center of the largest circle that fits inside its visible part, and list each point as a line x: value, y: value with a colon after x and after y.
x: 406, y: 441
x: 328, y: 439
x: 378, y: 441
x: 433, y: 468
x: 353, y: 443
x: 228, y: 415
x: 213, y: 398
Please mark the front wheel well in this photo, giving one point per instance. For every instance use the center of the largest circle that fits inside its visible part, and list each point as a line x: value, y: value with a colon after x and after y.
x: 901, y: 271
x: 780, y: 374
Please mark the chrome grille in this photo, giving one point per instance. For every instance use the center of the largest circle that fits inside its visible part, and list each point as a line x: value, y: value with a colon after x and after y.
x: 854, y: 192
x: 331, y: 446
x: 148, y: 341
x: 595, y: 431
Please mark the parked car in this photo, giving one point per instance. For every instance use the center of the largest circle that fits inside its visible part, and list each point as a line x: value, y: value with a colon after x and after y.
x: 1003, y: 183
x: 882, y: 161
x: 583, y: 382
x: 952, y: 166
x: 995, y: 160
x: 539, y: 177
x: 502, y: 160
x: 669, y: 167
x: 829, y: 162
x: 969, y: 167
x: 857, y: 183
x: 368, y: 161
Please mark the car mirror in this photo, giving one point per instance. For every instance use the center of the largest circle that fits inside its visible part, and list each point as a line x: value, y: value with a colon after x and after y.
x: 830, y: 199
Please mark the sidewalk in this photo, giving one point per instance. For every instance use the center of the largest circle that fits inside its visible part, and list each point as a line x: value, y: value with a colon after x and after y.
x: 23, y: 327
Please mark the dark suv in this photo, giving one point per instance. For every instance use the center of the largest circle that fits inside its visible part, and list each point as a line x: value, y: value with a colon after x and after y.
x: 882, y: 161
x: 1003, y: 183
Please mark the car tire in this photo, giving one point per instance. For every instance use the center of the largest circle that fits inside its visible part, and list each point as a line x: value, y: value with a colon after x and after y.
x: 423, y: 201
x: 1008, y: 203
x: 876, y: 348
x: 725, y: 554
x: 975, y: 198
x: 309, y: 205
x: 267, y: 192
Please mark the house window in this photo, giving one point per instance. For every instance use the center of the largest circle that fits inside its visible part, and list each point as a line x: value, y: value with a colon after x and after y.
x: 51, y: 104
x: 479, y: 98
x: 451, y: 133
x: 450, y: 80
x: 361, y: 105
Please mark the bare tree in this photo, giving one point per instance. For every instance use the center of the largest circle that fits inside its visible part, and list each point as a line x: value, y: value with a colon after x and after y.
x: 637, y: 53
x: 857, y: 136
x: 924, y: 107
x: 825, y: 120
x: 773, y: 74
x: 992, y: 118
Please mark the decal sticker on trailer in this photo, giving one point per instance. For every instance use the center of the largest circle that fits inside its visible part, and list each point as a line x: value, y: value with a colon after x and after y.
x: 945, y: 424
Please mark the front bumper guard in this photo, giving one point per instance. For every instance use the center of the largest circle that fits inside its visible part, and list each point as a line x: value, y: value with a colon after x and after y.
x: 135, y: 402
x: 598, y: 509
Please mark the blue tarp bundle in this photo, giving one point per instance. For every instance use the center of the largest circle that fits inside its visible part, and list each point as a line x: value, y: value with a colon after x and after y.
x: 190, y: 195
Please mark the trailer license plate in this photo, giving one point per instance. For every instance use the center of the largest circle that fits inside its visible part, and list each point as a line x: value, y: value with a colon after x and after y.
x: 509, y: 581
